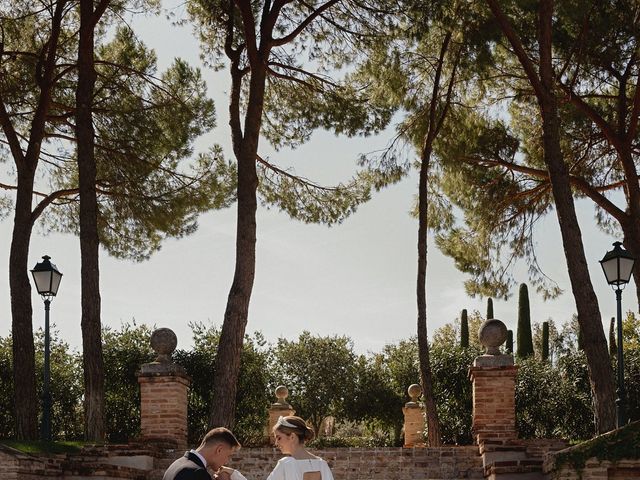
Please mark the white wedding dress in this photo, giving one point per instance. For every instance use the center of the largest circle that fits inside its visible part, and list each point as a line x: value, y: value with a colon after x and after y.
x: 289, y: 468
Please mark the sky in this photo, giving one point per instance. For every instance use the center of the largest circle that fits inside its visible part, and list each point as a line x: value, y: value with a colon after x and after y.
x: 356, y: 279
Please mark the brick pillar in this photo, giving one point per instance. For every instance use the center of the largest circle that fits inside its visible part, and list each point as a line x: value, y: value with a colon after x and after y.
x: 494, y: 388
x: 163, y: 395
x: 494, y: 402
x: 278, y: 409
x: 413, y: 412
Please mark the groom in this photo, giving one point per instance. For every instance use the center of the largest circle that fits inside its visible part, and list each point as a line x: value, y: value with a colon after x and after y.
x: 214, y: 451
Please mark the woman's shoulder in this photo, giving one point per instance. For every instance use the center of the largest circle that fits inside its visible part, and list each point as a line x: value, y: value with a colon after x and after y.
x: 286, y: 460
x: 291, y: 460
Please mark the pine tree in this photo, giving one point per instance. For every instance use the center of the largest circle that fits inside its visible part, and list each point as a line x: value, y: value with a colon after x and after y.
x: 509, y: 344
x: 464, y: 329
x: 524, y: 336
x: 613, y: 346
x: 545, y: 341
x: 489, y: 308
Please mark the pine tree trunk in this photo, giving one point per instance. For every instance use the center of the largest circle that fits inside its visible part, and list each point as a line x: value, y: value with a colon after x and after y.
x: 543, y: 83
x: 25, y: 399
x: 595, y: 343
x: 24, y: 379
x: 426, y: 377
x: 89, y: 243
x: 227, y: 364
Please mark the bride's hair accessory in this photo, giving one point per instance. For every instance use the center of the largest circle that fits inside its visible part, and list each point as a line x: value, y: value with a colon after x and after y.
x: 282, y: 422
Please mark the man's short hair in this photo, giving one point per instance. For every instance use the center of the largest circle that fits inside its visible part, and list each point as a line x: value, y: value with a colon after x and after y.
x: 221, y: 435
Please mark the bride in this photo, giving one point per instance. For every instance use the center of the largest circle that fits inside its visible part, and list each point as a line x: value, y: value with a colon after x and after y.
x: 291, y: 434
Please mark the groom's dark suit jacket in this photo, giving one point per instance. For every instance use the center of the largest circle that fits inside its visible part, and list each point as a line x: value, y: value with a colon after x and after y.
x: 188, y: 467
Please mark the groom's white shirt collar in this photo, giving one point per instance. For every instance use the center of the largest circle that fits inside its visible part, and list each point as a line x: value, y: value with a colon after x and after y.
x: 202, y: 459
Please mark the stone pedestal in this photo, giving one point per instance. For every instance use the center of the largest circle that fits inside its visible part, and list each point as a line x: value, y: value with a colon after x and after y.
x: 413, y: 412
x: 278, y: 409
x: 494, y: 409
x: 163, y: 395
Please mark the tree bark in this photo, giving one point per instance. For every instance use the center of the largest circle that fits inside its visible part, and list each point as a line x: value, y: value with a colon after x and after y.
x: 89, y: 242
x: 227, y: 364
x: 25, y: 399
x: 426, y: 377
x: 595, y: 343
x: 542, y: 81
x: 24, y: 376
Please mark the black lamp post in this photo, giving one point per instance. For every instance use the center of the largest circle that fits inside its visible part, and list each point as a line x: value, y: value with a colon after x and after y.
x: 47, y: 279
x: 618, y: 266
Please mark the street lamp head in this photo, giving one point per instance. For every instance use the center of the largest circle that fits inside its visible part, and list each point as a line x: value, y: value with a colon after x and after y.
x: 47, y: 277
x: 617, y: 265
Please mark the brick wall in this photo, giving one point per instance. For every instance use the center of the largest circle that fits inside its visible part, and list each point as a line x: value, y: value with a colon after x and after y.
x: 375, y: 463
x: 346, y: 463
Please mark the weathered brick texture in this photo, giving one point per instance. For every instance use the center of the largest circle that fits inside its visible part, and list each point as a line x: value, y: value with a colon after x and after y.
x: 163, y: 408
x: 494, y: 409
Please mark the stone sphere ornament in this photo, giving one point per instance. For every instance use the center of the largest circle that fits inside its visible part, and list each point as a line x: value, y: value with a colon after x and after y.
x: 414, y: 392
x: 492, y: 334
x: 164, y: 342
x: 282, y: 393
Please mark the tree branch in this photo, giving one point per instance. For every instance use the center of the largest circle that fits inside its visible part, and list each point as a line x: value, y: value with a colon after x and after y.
x: 516, y: 43
x: 312, y: 16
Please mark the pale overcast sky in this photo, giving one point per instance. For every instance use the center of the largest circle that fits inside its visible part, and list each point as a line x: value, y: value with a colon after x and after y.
x: 355, y: 279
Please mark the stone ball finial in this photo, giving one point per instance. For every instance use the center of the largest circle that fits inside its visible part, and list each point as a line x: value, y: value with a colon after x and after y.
x: 282, y: 393
x: 164, y: 342
x: 492, y: 334
x: 414, y: 392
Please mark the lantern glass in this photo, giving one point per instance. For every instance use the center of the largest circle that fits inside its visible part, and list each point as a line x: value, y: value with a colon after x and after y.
x: 46, y: 277
x: 617, y: 265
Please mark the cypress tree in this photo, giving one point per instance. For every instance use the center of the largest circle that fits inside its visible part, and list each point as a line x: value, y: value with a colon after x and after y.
x: 524, y: 337
x: 509, y: 345
x: 613, y: 346
x: 489, y: 308
x: 545, y: 341
x: 580, y: 339
x: 464, y: 329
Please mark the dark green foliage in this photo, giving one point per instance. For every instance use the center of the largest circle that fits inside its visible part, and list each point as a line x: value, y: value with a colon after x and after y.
x: 632, y: 382
x: 255, y: 385
x: 524, y: 335
x: 613, y: 446
x: 509, y: 342
x: 545, y: 341
x: 38, y: 446
x: 489, y: 308
x: 613, y: 347
x: 124, y: 351
x: 7, y: 423
x: 319, y: 372
x: 554, y: 401
x: 380, y: 391
x: 464, y: 329
x: 375, y: 399
x: 65, y: 387
x: 453, y: 392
